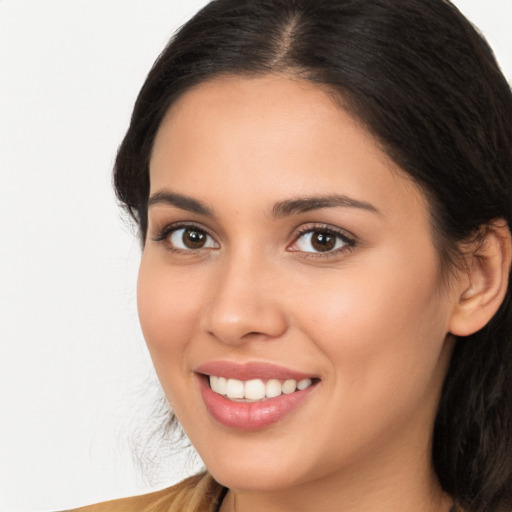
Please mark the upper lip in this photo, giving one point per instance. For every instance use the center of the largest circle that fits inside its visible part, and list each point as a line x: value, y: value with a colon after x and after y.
x: 250, y: 370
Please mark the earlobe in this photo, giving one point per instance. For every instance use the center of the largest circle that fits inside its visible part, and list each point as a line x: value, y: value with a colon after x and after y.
x: 486, y: 281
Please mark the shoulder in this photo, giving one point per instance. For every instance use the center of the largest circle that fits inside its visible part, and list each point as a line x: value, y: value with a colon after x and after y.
x: 199, y: 493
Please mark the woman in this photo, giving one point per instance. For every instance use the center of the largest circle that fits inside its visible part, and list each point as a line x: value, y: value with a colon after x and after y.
x: 324, y: 196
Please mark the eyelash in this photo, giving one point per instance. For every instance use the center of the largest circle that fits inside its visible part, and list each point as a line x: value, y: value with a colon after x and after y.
x: 164, y: 234
x: 349, y: 242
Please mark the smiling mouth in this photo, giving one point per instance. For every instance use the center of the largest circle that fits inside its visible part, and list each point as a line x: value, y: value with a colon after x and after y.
x: 252, y: 396
x: 256, y: 390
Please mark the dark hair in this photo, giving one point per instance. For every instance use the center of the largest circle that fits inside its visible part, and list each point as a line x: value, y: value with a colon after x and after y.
x: 427, y: 86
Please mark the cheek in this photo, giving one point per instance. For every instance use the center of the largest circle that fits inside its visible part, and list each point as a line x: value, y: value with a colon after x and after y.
x: 168, y: 305
x: 382, y: 328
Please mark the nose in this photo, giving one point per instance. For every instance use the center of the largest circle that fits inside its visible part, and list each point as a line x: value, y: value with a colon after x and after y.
x: 245, y: 303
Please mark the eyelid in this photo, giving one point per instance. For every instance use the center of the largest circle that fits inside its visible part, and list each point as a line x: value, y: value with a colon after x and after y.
x: 162, y: 234
x: 349, y: 240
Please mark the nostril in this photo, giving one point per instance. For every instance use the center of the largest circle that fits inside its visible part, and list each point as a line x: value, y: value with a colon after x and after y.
x: 255, y: 334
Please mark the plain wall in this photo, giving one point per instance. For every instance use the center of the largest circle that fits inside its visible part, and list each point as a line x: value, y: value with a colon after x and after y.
x: 76, y: 379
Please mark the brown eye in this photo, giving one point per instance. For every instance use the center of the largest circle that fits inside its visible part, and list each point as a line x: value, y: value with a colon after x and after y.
x: 191, y: 238
x: 194, y: 239
x: 320, y: 241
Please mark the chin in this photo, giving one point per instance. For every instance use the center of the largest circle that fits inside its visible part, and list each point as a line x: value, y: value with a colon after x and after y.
x: 255, y: 477
x: 253, y: 466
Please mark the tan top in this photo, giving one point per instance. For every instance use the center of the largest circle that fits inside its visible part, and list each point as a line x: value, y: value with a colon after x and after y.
x: 199, y: 493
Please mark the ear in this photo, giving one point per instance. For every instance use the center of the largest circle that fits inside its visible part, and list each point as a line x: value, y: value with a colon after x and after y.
x: 483, y: 288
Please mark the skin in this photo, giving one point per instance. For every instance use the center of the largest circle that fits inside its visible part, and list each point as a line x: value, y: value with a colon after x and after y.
x: 371, y: 320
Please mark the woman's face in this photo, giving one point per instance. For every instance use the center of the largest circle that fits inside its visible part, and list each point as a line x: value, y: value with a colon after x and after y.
x: 283, y: 245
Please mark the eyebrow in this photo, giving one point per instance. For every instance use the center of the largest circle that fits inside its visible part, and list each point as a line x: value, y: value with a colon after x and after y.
x: 180, y: 201
x: 280, y: 209
x: 306, y: 204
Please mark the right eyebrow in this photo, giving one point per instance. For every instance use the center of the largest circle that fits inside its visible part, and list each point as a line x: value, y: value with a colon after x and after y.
x: 306, y: 204
x: 179, y: 201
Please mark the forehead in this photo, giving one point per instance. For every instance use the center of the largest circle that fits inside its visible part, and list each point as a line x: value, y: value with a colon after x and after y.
x: 268, y: 138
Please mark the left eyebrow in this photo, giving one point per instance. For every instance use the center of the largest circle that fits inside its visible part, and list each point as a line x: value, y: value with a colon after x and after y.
x: 179, y: 201
x: 306, y: 204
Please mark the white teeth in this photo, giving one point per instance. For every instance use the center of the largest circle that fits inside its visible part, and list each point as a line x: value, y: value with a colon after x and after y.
x: 289, y: 386
x: 256, y: 389
x: 303, y: 384
x: 222, y: 386
x: 273, y: 388
x: 219, y: 384
x: 235, y: 388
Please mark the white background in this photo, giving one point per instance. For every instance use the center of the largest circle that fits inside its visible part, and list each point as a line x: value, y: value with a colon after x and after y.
x: 76, y: 381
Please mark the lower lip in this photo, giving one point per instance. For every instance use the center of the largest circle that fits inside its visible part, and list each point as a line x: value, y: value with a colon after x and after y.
x: 251, y: 415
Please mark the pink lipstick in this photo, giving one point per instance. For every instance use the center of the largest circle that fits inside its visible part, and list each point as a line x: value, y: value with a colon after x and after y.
x: 253, y: 395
